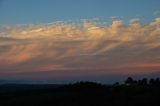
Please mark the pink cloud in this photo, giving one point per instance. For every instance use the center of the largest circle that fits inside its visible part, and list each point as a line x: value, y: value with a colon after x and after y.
x: 63, y: 68
x: 53, y: 67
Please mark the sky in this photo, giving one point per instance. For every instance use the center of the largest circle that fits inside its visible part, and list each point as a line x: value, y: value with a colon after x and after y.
x: 44, y: 11
x: 62, y: 41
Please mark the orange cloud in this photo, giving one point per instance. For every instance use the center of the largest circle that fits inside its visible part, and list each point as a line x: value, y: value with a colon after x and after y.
x: 89, y: 45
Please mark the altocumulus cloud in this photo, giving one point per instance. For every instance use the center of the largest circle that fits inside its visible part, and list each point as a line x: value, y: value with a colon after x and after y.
x: 112, y: 49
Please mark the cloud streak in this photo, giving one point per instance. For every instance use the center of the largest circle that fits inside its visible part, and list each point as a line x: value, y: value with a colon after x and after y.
x: 88, y: 45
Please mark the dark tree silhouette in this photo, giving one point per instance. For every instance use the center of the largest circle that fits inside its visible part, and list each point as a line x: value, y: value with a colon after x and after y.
x: 143, y: 82
x: 116, y: 84
x: 133, y: 93
x: 157, y: 81
x: 130, y: 81
x: 151, y: 81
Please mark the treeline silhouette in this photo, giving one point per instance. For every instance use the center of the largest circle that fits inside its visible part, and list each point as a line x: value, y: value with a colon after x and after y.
x: 144, y: 92
x: 143, y: 82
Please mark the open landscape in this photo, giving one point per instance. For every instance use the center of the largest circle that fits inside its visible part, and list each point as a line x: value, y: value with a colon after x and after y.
x: 79, y: 52
x: 131, y: 93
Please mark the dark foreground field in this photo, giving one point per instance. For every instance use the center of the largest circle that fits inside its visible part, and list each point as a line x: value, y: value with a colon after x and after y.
x: 131, y: 93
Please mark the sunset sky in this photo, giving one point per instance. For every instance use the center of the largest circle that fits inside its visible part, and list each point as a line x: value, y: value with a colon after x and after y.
x: 69, y: 40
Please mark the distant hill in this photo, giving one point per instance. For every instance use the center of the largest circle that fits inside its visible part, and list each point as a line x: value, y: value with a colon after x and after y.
x: 145, y: 92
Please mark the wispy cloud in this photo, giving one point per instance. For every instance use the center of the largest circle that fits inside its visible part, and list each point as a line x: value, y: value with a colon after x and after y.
x: 135, y: 21
x: 87, y: 45
x: 157, y: 12
x: 116, y: 17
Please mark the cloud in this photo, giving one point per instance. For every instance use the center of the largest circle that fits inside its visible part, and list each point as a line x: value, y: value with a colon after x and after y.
x: 117, y: 23
x: 81, y: 46
x: 53, y: 67
x: 115, y: 17
x: 135, y: 21
x: 157, y: 12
